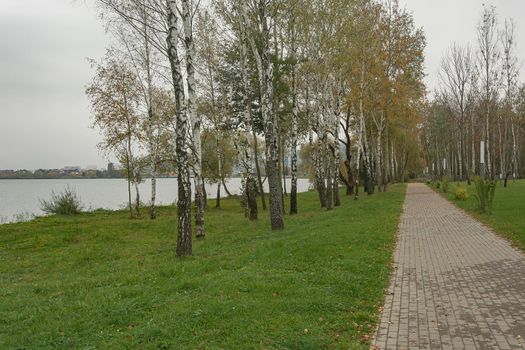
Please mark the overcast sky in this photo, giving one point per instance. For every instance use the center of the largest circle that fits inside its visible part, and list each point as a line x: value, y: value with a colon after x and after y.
x: 44, y: 114
x: 449, y: 21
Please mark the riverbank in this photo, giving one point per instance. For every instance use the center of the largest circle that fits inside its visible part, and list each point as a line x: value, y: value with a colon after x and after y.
x: 20, y: 199
x: 101, y: 280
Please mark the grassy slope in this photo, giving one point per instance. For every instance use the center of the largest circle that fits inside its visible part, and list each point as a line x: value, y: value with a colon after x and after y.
x: 101, y: 280
x: 508, y: 216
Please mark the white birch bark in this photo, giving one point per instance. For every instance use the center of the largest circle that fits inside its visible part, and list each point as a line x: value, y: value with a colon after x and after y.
x: 184, y: 236
x: 327, y: 117
x: 265, y: 70
x: 194, y: 117
x: 137, y: 196
x: 488, y: 58
x: 151, y: 114
x: 362, y: 131
x: 337, y: 148
x: 293, y: 143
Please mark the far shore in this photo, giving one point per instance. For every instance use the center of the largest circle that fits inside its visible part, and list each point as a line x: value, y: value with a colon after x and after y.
x: 118, y: 178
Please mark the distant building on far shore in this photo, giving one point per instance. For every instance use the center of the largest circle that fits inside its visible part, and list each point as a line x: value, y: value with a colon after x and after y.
x: 112, y: 170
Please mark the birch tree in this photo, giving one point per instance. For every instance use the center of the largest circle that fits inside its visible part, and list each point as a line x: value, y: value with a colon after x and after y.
x: 488, y: 57
x: 258, y: 21
x: 133, y: 23
x: 184, y: 237
x: 478, y: 103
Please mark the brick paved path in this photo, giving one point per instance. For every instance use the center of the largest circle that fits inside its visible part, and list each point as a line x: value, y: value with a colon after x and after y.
x: 455, y: 285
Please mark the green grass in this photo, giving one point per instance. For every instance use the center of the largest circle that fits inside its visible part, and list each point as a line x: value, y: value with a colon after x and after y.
x: 102, y: 281
x: 508, y: 211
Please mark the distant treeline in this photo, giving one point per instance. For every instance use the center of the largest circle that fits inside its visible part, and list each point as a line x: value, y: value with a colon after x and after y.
x: 59, y: 174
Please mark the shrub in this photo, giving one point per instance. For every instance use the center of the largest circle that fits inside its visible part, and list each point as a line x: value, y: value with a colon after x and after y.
x: 438, y: 185
x: 64, y: 203
x: 445, y: 180
x: 485, y: 191
x: 461, y: 193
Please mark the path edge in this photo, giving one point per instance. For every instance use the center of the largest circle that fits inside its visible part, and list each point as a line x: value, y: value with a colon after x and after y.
x: 391, y: 277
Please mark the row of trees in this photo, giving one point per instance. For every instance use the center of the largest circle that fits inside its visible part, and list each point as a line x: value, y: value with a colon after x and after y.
x: 341, y: 78
x: 481, y: 99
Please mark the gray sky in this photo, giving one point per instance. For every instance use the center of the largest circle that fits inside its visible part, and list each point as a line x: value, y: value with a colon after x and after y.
x: 44, y: 114
x: 449, y: 21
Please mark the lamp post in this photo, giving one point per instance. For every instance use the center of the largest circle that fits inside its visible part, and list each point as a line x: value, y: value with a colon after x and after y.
x: 482, y: 159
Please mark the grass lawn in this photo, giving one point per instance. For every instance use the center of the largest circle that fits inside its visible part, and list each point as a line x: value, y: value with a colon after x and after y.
x: 508, y: 211
x: 102, y: 281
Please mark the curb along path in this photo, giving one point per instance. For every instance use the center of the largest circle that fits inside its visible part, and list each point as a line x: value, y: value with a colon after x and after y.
x: 455, y: 284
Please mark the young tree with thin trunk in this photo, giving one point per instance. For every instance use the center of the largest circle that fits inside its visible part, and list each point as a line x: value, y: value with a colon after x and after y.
x: 510, y: 76
x: 114, y: 96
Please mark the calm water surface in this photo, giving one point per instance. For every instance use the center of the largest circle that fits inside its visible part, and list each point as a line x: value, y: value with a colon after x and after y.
x: 19, y: 199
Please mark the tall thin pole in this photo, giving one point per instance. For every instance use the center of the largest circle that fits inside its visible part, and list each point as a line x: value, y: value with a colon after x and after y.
x: 482, y: 159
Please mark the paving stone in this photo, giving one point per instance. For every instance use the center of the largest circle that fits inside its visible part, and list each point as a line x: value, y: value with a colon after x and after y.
x: 455, y: 284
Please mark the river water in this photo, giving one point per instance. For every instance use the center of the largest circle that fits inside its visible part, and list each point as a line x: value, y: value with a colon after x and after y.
x: 20, y: 199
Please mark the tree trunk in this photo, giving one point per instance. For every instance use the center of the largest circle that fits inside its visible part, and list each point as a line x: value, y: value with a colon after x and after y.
x: 357, y: 161
x: 293, y: 190
x: 487, y: 142
x: 393, y: 162
x: 244, y: 148
x: 274, y: 180
x: 386, y: 161
x: 218, y: 198
x: 283, y: 162
x: 130, y: 205
x: 153, y: 208
x: 137, y: 199
x: 514, y: 150
x: 184, y: 236
x: 251, y: 185
x: 363, y: 136
x: 293, y: 146
x: 349, y: 183
x: 151, y: 115
x: 329, y: 185
x: 265, y: 70
x: 460, y: 153
x: 379, y: 159
x: 337, y: 152
x: 319, y: 165
x: 500, y: 153
x: 258, y: 168
x: 280, y: 168
x: 194, y: 119
x: 319, y: 174
x: 349, y: 176
x: 473, y: 148
x: 225, y: 188
x: 205, y: 193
